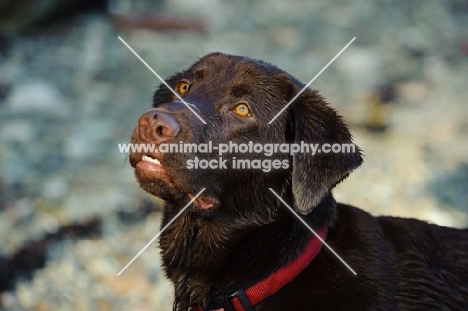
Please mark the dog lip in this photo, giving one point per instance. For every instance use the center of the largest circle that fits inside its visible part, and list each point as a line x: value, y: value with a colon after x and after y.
x: 149, y: 166
x: 149, y: 169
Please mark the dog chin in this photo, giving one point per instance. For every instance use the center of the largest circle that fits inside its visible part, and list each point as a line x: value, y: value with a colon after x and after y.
x: 179, y: 195
x: 162, y: 190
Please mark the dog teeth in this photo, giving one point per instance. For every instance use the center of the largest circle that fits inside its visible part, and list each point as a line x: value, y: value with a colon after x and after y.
x: 149, y: 159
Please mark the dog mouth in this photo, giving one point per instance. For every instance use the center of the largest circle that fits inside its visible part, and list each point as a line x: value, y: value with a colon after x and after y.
x: 203, y: 202
x: 149, y: 169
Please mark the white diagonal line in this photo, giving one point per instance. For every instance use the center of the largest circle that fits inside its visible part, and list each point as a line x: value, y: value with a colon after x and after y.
x: 308, y: 84
x: 162, y: 80
x: 312, y: 230
x: 162, y: 230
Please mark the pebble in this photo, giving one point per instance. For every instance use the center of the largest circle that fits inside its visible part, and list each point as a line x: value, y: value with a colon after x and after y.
x: 48, y: 223
x: 361, y: 65
x: 16, y: 131
x: 55, y: 188
x: 37, y: 97
x: 26, y: 296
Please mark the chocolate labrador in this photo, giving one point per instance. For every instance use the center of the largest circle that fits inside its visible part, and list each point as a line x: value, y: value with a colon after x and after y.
x: 251, y: 220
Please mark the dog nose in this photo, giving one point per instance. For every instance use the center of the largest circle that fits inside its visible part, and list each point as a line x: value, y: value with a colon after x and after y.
x: 157, y: 126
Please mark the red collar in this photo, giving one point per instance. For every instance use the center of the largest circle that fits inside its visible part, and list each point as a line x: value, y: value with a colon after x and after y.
x: 246, y: 300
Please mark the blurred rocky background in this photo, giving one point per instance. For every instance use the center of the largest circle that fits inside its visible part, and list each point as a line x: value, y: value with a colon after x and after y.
x: 71, y: 213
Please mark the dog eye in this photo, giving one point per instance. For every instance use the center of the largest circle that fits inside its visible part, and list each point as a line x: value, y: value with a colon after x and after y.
x: 242, y: 110
x: 182, y: 88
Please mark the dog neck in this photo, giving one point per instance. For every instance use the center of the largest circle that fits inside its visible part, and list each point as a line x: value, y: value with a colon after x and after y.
x: 247, y: 299
x: 211, y: 257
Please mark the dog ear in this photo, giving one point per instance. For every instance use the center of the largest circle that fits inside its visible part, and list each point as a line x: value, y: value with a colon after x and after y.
x: 314, y: 175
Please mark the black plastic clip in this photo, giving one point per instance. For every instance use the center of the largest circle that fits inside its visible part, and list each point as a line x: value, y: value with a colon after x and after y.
x: 223, y: 301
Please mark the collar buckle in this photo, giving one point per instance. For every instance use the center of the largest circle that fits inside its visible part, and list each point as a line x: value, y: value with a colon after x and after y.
x: 223, y: 302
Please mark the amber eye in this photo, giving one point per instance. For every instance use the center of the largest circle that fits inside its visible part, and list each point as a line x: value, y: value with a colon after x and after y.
x: 242, y: 110
x: 182, y: 88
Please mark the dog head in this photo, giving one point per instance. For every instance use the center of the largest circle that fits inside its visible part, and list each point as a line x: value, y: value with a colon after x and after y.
x: 237, y: 97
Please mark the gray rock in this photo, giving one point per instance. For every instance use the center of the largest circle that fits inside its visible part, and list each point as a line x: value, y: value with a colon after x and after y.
x: 37, y: 97
x: 16, y: 131
x: 55, y: 188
